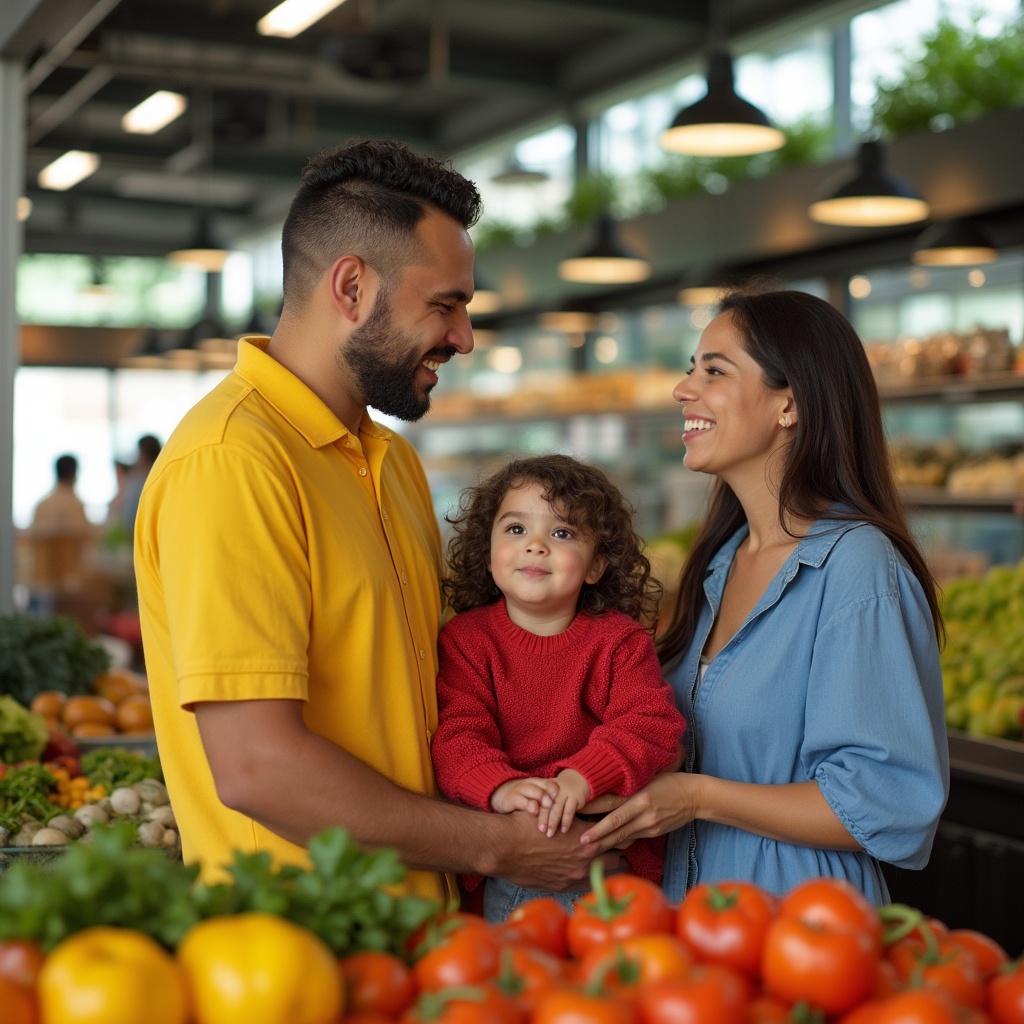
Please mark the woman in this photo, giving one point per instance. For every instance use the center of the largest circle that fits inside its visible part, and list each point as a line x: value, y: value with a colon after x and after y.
x: 804, y: 645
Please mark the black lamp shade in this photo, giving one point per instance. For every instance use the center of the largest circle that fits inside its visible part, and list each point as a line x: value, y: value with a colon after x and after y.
x: 722, y: 123
x: 954, y: 243
x: 872, y: 197
x: 203, y: 251
x: 608, y: 261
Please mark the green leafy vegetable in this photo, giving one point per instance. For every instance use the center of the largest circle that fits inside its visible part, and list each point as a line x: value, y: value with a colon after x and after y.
x: 113, y: 767
x: 23, y: 734
x: 342, y: 897
x: 47, y: 653
x: 26, y: 790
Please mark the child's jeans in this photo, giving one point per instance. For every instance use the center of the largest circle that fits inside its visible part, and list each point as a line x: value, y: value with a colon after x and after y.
x: 502, y: 897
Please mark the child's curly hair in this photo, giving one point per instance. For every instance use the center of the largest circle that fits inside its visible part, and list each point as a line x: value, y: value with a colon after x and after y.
x: 590, y: 502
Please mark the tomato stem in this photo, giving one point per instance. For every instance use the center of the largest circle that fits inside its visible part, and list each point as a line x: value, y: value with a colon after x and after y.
x: 607, y: 908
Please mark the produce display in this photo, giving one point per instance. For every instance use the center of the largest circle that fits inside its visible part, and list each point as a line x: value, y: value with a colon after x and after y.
x: 983, y: 658
x: 123, y: 936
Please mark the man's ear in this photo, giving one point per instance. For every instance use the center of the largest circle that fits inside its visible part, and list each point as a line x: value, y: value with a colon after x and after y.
x: 350, y: 287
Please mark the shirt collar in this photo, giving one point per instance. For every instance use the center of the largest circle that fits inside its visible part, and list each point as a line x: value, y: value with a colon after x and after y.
x: 303, y: 409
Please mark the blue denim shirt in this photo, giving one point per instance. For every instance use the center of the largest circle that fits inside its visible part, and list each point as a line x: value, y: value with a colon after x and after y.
x: 834, y: 677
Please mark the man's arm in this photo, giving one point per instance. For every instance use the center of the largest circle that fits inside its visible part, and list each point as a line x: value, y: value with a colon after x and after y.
x: 267, y: 765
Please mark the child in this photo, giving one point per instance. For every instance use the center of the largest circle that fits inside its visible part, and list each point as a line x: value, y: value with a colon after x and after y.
x: 550, y: 693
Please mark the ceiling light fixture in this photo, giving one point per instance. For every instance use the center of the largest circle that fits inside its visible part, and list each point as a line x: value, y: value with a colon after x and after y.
x: 290, y: 18
x: 608, y: 261
x: 155, y: 112
x: 722, y: 123
x: 514, y: 173
x: 954, y: 243
x: 872, y: 197
x: 74, y: 166
x: 568, y: 320
x: 24, y: 208
x: 203, y: 251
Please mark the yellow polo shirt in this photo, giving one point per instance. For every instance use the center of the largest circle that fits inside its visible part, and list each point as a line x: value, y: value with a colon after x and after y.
x: 278, y: 555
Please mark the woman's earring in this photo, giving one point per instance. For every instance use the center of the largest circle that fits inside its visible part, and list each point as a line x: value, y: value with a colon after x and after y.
x: 785, y: 421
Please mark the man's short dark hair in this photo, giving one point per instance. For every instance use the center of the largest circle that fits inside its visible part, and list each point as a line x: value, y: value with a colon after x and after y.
x: 149, y: 447
x: 66, y: 468
x: 366, y: 198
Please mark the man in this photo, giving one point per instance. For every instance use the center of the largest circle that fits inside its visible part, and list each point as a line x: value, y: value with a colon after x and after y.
x: 148, y: 448
x: 60, y: 533
x: 288, y: 556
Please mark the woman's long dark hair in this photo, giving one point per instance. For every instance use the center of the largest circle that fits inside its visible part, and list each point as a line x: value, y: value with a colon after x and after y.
x: 838, y: 453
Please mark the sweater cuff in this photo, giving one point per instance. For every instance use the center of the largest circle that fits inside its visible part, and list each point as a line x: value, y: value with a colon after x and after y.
x: 479, y: 783
x: 602, y: 771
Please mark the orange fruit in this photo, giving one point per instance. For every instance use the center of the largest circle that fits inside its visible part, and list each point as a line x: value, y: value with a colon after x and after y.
x: 88, y: 708
x: 87, y: 729
x: 49, y: 703
x: 104, y: 975
x: 113, y: 686
x: 135, y: 714
x: 258, y: 968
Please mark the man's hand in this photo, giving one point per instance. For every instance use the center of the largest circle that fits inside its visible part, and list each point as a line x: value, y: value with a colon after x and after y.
x: 573, y: 791
x: 531, y: 795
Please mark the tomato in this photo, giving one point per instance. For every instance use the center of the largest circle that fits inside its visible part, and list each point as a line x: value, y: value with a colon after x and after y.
x: 258, y: 968
x: 574, y: 1006
x: 712, y: 994
x: 832, y: 968
x: 634, y: 961
x: 725, y: 923
x: 18, y: 1003
x: 439, y: 928
x: 914, y: 1006
x: 481, y: 1004
x: 528, y: 973
x: 1006, y: 994
x: 367, y: 1017
x: 106, y: 975
x: 989, y: 956
x: 616, y: 908
x: 946, y: 965
x: 887, y: 980
x: 540, y: 922
x: 376, y: 981
x: 767, y: 1010
x: 21, y: 960
x: 832, y: 903
x: 465, y: 956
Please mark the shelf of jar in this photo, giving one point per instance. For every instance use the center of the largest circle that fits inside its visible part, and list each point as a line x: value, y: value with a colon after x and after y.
x: 954, y: 390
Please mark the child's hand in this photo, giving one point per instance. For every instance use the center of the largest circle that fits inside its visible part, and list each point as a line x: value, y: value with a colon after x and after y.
x: 524, y: 795
x: 573, y: 793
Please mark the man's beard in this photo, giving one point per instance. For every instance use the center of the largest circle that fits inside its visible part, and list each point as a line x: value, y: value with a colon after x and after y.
x: 385, y: 364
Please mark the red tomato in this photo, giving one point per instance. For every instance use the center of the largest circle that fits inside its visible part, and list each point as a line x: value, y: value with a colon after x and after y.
x: 465, y: 956
x: 989, y: 956
x: 18, y: 1003
x: 1006, y: 994
x: 638, y: 960
x: 767, y: 1010
x: 725, y: 923
x: 616, y: 908
x: 20, y: 960
x: 573, y: 1006
x: 832, y: 903
x: 367, y: 1017
x: 914, y: 1006
x: 832, y: 968
x: 526, y: 974
x: 947, y: 966
x: 481, y: 1004
x: 541, y: 922
x: 439, y: 928
x: 712, y: 994
x: 377, y: 982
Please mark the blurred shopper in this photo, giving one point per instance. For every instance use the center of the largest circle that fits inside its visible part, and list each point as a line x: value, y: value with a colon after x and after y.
x: 804, y: 645
x: 288, y: 557
x: 128, y: 496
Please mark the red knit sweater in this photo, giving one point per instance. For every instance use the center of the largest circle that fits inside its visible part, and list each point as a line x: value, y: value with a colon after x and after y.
x: 512, y: 704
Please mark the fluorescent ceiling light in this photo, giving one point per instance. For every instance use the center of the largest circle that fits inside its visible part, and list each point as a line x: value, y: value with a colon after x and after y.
x: 69, y: 169
x: 290, y: 18
x: 154, y: 112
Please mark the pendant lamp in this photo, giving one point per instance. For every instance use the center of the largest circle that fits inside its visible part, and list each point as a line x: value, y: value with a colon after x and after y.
x: 149, y: 355
x: 722, y: 123
x: 608, y: 261
x: 568, y: 318
x: 514, y: 173
x: 872, y: 197
x: 203, y: 251
x: 705, y: 286
x: 486, y: 299
x: 954, y: 243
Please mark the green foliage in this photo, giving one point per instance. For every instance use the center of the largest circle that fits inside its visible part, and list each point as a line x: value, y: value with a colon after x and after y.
x: 26, y: 790
x: 961, y: 75
x: 114, y: 767
x: 23, y: 734
x: 593, y: 195
x: 47, y: 653
x: 345, y: 897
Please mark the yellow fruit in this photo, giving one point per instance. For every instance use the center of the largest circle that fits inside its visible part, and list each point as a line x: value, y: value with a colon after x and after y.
x: 88, y: 708
x: 106, y: 975
x: 259, y: 969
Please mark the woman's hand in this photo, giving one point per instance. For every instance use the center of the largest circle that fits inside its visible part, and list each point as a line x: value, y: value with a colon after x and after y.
x: 669, y: 800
